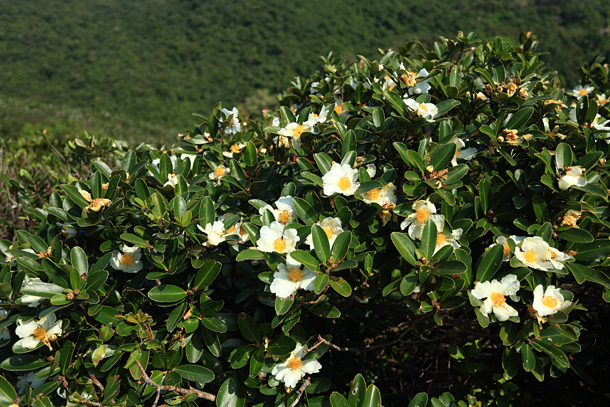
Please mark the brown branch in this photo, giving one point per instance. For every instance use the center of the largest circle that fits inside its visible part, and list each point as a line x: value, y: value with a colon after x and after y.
x: 96, y: 382
x: 306, y: 383
x: 186, y: 392
x: 90, y: 403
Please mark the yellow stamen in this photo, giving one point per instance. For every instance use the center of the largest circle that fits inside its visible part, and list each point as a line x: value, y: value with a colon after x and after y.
x: 582, y: 92
x: 440, y: 239
x: 219, y: 171
x: 285, y: 216
x: 423, y: 107
x: 549, y: 301
x: 279, y: 245
x: 498, y: 299
x: 235, y: 148
x: 373, y: 194
x: 40, y: 334
x: 422, y: 215
x: 298, y: 131
x: 338, y: 109
x: 344, y: 183
x: 295, y: 274
x: 530, y: 256
x: 553, y: 254
x: 231, y: 230
x: 127, y: 259
x: 329, y: 232
x: 295, y: 363
x: 506, y: 249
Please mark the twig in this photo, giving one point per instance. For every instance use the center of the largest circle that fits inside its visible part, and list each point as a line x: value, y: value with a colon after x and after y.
x: 306, y: 383
x: 96, y: 382
x: 186, y: 392
x: 90, y: 403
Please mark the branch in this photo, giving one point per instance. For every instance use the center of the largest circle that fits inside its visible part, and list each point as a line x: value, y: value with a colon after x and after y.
x: 186, y: 392
x: 306, y: 383
x: 90, y: 403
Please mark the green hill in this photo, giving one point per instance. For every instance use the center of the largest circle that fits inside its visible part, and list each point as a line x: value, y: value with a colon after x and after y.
x: 155, y: 62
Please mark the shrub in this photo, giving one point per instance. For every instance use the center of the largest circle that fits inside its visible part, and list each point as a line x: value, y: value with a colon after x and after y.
x: 434, y: 221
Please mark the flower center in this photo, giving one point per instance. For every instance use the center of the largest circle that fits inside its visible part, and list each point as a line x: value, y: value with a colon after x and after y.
x: 231, y: 230
x: 530, y: 256
x: 498, y: 299
x: 373, y: 194
x: 423, y: 107
x: 219, y: 171
x: 344, y: 183
x: 127, y: 259
x: 298, y: 131
x: 338, y: 109
x: 235, y: 148
x: 279, y: 245
x: 506, y: 249
x: 582, y: 92
x: 285, y: 216
x: 603, y: 101
x: 40, y: 333
x: 553, y: 254
x: 422, y: 215
x: 97, y: 203
x: 457, y: 153
x: 440, y: 239
x: 329, y: 232
x: 295, y: 363
x: 549, y: 301
x: 295, y: 274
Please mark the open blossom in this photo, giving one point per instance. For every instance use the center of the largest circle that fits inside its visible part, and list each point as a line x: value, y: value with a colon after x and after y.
x: 502, y: 240
x: 219, y: 172
x: 314, y: 119
x: 580, y: 91
x: 28, y: 379
x: 128, y: 261
x: 37, y: 285
x: 232, y: 117
x: 290, y: 135
x: 332, y: 228
x: 549, y: 301
x: 494, y: 293
x: 275, y: 238
x: 602, y: 100
x: 172, y: 180
x: 290, y: 277
x: 33, y: 332
x: 461, y: 152
x: 570, y: 218
x: 443, y: 239
x: 415, y: 83
x: 293, y: 369
x: 573, y: 176
x: 424, y: 210
x: 425, y: 110
x: 340, y: 179
x: 536, y: 253
x: 215, y: 232
x: 94, y: 204
x: 285, y: 211
x: 234, y: 149
x: 381, y: 197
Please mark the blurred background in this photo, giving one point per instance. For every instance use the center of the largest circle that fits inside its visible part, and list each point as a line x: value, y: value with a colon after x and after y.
x: 137, y: 70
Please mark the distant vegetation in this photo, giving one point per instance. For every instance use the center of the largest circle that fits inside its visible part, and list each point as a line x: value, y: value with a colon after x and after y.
x: 157, y: 61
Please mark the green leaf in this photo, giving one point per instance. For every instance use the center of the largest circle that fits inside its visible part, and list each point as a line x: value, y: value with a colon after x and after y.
x: 445, y: 106
x: 416, y: 160
x: 596, y: 250
x: 576, y: 235
x: 231, y: 394
x: 428, y: 238
x: 207, y: 274
x: 490, y: 263
x: 214, y: 324
x: 79, y: 260
x: 250, y: 254
x: 349, y: 143
x: 556, y: 353
x: 75, y: 196
x: 484, y: 188
x: 195, y: 373
x: 408, y: 284
x: 581, y: 272
x: 136, y: 240
x: 320, y: 283
x: 341, y: 246
x: 405, y: 246
x: 7, y: 393
x: 23, y: 363
x: 442, y: 155
x: 563, y: 155
x: 306, y: 259
x: 250, y: 157
x: 207, y: 213
x: 337, y: 400
x: 282, y: 305
x: 342, y: 287
x: 166, y: 293
x: 357, y: 391
x: 528, y: 358
x: 281, y: 345
x: 305, y: 211
x: 372, y: 398
x: 420, y: 400
x: 96, y: 279
x: 320, y: 243
x: 248, y: 328
x: 448, y: 267
x: 519, y: 119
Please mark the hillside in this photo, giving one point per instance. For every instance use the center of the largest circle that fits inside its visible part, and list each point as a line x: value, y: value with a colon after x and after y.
x: 157, y: 61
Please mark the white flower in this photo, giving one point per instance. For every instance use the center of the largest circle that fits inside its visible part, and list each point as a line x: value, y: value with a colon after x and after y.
x: 580, y: 91
x: 290, y: 135
x: 29, y: 379
x: 536, y: 253
x: 371, y: 170
x: 293, y: 369
x: 232, y: 117
x: 190, y: 157
x: 234, y: 149
x: 601, y: 99
x: 417, y: 87
x: 494, y: 292
x: 67, y: 231
x: 573, y: 176
x: 219, y: 172
x: 424, y: 210
x: 504, y: 242
x: 550, y: 301
x: 340, y: 179
x: 172, y: 180
x: 332, y: 228
x: 33, y: 332
x: 383, y: 196
x: 425, y: 110
x: 314, y: 119
x: 37, y: 285
x: 448, y: 240
x: 215, y: 232
x: 4, y: 332
x: 290, y: 277
x: 128, y: 261
x: 461, y: 152
x: 600, y: 126
x: 285, y: 211
x: 275, y: 238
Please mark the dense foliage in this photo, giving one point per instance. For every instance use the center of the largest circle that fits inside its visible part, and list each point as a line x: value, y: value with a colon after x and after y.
x: 157, y: 61
x: 426, y: 229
